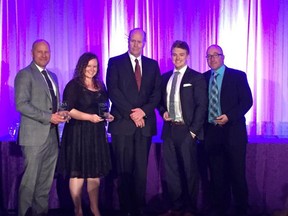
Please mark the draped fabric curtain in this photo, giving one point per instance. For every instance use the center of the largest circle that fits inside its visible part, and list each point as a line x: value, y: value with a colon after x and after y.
x: 252, y: 33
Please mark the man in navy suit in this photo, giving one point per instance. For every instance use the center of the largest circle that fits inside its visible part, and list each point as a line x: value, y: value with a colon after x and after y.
x: 225, y: 133
x: 134, y: 98
x: 184, y: 112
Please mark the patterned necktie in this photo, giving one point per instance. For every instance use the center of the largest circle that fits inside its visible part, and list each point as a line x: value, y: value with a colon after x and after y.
x: 213, y: 100
x: 52, y: 93
x: 172, y: 96
x: 137, y: 74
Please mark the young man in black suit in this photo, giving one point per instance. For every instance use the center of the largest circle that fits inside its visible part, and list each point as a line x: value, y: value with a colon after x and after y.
x: 230, y: 99
x: 183, y: 107
x: 133, y: 83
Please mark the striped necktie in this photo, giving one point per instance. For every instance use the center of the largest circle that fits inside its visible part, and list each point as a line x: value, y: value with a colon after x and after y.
x: 214, y: 98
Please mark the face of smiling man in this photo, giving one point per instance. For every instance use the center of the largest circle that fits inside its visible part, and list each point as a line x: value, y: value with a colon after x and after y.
x: 179, y: 57
x: 41, y: 53
x: 215, y: 57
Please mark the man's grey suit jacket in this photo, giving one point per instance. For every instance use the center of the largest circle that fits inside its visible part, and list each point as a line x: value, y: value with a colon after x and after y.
x: 34, y: 102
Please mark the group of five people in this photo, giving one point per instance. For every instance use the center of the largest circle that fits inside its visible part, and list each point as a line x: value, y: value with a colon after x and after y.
x: 194, y: 107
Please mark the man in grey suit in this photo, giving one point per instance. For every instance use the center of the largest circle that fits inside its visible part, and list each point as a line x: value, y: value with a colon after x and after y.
x: 37, y: 98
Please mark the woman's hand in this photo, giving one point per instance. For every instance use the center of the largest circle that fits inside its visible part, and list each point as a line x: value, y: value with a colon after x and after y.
x: 110, y: 117
x: 95, y: 118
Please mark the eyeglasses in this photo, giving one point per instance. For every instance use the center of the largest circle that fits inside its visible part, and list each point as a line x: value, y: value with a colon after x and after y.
x: 213, y: 56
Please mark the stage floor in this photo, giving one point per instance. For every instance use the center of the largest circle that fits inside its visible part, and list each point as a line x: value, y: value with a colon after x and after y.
x: 266, y: 170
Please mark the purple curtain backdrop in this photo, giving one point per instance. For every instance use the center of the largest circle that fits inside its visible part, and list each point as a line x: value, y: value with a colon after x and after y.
x: 252, y: 33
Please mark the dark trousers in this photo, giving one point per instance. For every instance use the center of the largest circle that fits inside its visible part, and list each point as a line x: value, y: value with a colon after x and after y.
x: 180, y: 179
x: 226, y: 150
x: 131, y: 158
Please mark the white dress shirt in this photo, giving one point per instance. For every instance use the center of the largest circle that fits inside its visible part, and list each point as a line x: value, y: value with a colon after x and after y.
x: 178, y: 110
x: 132, y: 58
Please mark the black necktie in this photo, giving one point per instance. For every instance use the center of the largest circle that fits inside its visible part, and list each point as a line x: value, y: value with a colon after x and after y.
x: 52, y: 93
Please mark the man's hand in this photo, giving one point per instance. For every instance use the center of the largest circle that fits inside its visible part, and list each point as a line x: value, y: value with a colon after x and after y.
x: 56, y: 118
x: 137, y: 114
x: 221, y: 120
x: 192, y: 134
x: 166, y: 117
x: 110, y: 117
x: 65, y: 114
x: 140, y: 123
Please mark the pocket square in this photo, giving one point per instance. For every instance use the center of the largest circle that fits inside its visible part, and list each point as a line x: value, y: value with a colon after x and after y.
x: 187, y: 84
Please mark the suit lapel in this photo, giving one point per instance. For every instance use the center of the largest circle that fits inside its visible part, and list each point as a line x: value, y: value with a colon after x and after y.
x: 165, y: 83
x: 185, y: 79
x: 225, y: 81
x: 54, y: 80
x: 145, y: 72
x: 42, y: 81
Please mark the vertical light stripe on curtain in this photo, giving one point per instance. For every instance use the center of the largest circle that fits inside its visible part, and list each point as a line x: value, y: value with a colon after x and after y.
x: 251, y: 33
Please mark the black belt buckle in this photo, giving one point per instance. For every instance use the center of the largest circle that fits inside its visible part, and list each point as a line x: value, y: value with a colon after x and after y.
x: 177, y: 123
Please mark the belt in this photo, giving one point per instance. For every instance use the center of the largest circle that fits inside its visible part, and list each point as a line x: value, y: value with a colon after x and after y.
x: 214, y: 125
x: 177, y: 123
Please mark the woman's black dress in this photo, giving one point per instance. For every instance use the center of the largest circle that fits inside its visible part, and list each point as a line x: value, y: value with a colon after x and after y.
x: 84, y: 151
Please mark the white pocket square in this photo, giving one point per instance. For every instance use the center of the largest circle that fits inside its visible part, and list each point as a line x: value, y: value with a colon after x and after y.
x: 187, y: 84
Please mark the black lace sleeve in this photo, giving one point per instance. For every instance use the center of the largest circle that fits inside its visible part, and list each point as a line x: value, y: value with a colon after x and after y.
x: 70, y: 94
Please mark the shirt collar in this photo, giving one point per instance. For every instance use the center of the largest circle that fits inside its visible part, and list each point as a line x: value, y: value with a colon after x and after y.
x: 220, y: 70
x: 182, y: 70
x: 39, y: 68
x: 133, y: 57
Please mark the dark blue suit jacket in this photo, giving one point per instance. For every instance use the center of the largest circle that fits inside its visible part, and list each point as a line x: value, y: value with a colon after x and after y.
x: 235, y: 100
x: 193, y: 96
x: 124, y: 94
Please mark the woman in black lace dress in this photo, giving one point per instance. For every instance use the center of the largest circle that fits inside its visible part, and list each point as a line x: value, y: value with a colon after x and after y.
x: 84, y: 153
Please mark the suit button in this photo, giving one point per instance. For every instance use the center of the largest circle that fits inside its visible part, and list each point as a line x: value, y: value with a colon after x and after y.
x: 50, y: 108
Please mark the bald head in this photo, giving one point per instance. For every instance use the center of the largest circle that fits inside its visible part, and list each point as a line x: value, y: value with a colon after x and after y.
x: 136, y: 41
x: 215, y: 57
x: 41, y: 53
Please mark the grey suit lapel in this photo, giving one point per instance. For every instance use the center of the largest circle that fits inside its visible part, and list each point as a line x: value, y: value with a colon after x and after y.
x: 41, y: 80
